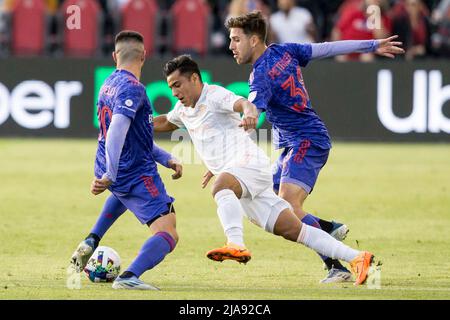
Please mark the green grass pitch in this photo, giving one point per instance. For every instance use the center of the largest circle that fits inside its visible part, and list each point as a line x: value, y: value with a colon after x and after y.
x: 395, y: 198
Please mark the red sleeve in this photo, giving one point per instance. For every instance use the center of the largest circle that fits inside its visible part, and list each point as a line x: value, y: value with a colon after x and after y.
x: 345, y: 18
x: 387, y: 23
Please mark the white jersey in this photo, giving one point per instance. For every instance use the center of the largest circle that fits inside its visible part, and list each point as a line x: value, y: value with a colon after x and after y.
x: 214, y: 129
x: 292, y: 27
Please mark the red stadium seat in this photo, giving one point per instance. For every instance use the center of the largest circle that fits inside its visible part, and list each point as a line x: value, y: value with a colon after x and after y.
x: 28, y: 27
x: 85, y: 41
x: 189, y: 23
x: 142, y: 16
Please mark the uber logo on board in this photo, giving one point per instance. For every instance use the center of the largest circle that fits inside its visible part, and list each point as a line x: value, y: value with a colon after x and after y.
x: 31, y: 103
x: 426, y: 109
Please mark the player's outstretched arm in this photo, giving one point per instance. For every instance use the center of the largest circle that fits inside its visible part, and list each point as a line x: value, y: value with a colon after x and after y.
x: 250, y: 118
x: 384, y: 47
x: 389, y: 48
x: 162, y: 124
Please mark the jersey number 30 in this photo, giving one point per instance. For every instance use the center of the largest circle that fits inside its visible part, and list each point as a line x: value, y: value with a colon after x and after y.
x: 105, y: 110
x: 295, y: 91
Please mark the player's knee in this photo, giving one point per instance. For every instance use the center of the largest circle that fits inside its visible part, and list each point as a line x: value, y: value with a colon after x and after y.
x: 290, y: 233
x: 226, y: 182
x: 222, y: 186
x: 293, y: 198
x: 215, y: 189
x: 288, y: 195
x: 287, y: 226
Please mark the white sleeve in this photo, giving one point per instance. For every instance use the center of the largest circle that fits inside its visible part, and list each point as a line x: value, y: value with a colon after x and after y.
x: 222, y: 100
x: 174, y: 117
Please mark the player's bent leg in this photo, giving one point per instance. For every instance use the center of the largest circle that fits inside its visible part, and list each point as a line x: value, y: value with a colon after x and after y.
x: 226, y: 181
x: 288, y: 226
x: 226, y: 191
x: 296, y: 196
x: 296, y: 193
x: 166, y: 224
x: 153, y: 251
x: 111, y: 211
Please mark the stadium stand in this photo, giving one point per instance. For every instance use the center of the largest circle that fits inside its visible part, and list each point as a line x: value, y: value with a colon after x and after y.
x: 143, y: 16
x: 197, y: 26
x: 86, y: 41
x: 192, y: 39
x: 28, y: 27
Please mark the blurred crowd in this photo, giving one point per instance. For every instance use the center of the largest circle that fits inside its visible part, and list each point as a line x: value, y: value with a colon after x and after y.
x: 422, y: 25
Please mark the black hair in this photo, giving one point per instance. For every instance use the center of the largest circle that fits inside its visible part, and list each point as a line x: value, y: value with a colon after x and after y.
x: 185, y: 64
x: 127, y: 35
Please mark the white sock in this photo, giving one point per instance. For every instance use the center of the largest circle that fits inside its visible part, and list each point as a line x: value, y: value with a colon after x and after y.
x: 323, y: 243
x: 230, y: 214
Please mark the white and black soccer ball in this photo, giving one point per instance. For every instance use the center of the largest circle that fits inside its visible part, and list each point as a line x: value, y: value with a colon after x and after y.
x: 104, y: 265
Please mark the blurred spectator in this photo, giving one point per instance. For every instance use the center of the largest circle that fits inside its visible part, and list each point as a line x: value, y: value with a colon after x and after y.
x: 219, y: 34
x: 5, y: 8
x: 424, y: 32
x: 190, y: 27
x: 412, y: 26
x: 238, y: 7
x: 292, y: 23
x: 441, y: 11
x: 353, y: 24
x: 6, y: 5
x: 114, y: 5
x: 440, y: 39
x: 52, y: 6
x: 111, y: 12
x: 323, y: 12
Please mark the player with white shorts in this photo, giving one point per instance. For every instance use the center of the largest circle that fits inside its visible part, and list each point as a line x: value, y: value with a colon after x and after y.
x: 211, y: 115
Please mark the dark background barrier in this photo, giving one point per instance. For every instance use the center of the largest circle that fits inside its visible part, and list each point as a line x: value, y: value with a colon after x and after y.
x: 383, y: 101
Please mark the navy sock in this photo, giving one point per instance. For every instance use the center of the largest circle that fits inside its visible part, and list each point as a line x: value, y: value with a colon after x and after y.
x: 127, y: 274
x: 111, y: 211
x: 152, y: 253
x: 310, y: 220
x: 324, y: 225
x: 95, y: 239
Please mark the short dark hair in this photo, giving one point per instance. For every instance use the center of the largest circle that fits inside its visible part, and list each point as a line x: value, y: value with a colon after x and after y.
x: 252, y: 23
x: 185, y: 64
x: 127, y: 35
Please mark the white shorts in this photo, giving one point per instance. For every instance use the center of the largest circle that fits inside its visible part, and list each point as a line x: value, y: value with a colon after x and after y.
x: 255, y: 177
x: 264, y: 209
x: 260, y: 203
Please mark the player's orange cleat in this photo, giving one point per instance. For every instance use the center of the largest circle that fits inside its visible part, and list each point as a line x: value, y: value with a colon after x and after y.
x: 360, y: 266
x: 230, y: 251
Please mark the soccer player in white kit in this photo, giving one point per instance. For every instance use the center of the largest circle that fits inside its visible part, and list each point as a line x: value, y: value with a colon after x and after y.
x: 211, y: 115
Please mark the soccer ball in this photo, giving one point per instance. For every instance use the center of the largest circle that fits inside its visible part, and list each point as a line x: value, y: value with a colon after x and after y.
x: 104, y: 265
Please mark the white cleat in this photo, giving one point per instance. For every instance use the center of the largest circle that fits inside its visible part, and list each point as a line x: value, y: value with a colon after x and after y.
x: 339, y: 231
x: 81, y: 255
x: 337, y: 275
x: 133, y: 283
